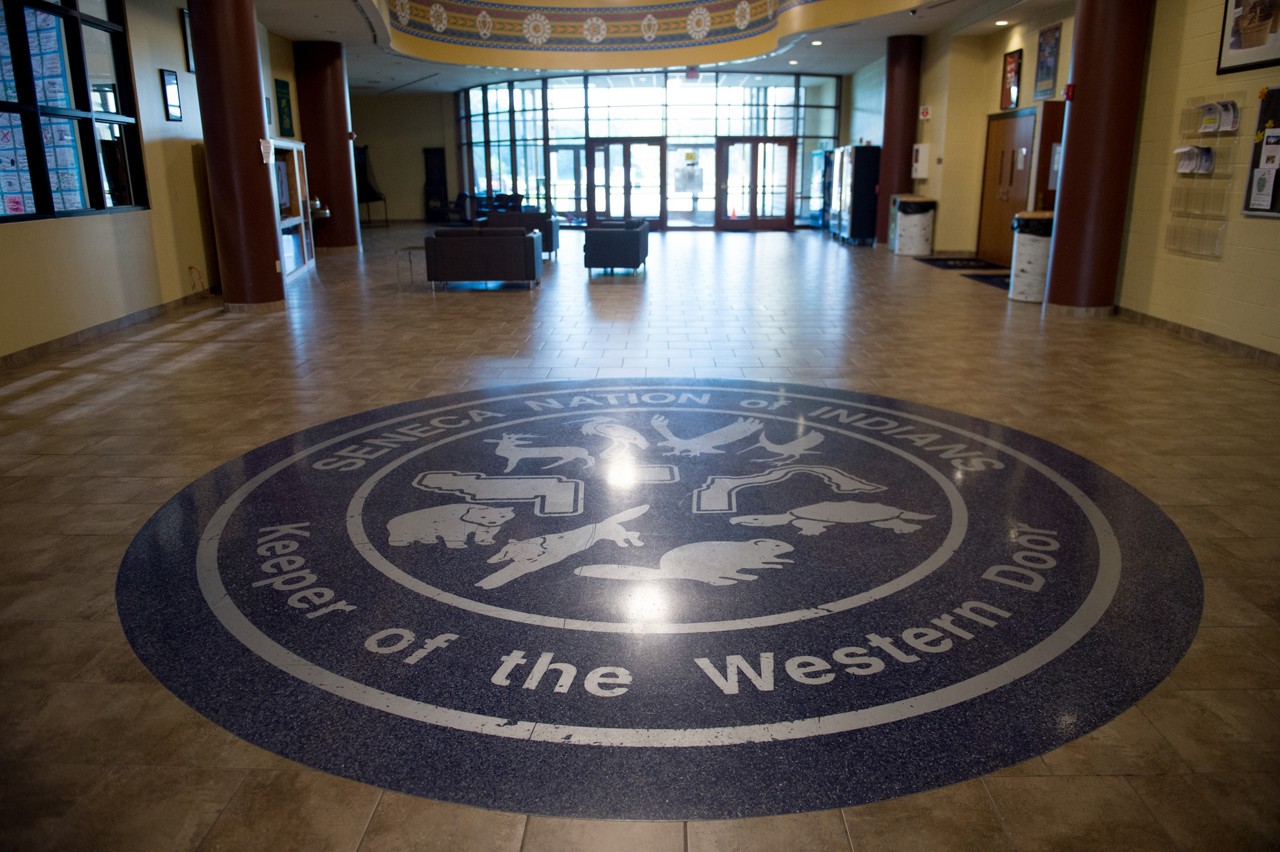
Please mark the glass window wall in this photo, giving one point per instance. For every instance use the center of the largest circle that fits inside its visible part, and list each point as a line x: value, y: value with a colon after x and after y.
x: 531, y: 137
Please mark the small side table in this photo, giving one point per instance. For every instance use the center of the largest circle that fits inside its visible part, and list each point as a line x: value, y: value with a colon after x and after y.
x: 406, y: 252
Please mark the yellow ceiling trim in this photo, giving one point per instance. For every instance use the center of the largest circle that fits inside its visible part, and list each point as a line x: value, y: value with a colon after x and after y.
x: 566, y: 35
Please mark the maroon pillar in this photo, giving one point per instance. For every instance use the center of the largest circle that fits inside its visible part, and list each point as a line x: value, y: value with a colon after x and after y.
x: 224, y: 35
x: 901, y: 111
x: 325, y: 111
x: 1107, y: 62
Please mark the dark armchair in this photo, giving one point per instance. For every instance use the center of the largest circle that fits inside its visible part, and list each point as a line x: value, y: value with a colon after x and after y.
x: 614, y: 244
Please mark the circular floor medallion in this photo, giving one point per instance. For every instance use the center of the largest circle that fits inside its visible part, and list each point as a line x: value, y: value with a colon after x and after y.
x: 659, y: 599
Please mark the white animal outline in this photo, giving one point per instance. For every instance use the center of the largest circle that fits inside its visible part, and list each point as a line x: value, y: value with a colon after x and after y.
x: 515, y: 448
x: 706, y: 443
x: 789, y: 452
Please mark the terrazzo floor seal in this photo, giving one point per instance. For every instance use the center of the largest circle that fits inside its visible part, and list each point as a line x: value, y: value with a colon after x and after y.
x: 652, y: 599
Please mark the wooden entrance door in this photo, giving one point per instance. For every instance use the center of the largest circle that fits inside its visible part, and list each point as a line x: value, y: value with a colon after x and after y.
x: 1006, y: 182
x: 755, y: 176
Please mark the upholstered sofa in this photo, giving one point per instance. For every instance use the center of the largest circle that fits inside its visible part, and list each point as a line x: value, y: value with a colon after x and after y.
x: 616, y: 243
x: 531, y: 220
x: 484, y: 254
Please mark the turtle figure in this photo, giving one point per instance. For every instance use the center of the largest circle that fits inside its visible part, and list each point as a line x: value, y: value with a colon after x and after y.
x: 814, y: 519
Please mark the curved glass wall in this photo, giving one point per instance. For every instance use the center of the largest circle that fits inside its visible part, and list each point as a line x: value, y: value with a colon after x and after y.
x: 583, y: 146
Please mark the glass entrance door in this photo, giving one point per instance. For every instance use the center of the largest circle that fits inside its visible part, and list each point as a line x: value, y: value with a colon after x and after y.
x: 569, y: 182
x: 755, y: 180
x: 626, y: 179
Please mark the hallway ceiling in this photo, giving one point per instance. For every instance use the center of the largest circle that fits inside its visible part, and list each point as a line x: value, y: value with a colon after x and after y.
x: 373, y: 69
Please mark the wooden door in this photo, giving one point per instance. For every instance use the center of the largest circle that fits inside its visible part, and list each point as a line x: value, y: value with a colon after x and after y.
x: 755, y: 177
x: 1006, y: 182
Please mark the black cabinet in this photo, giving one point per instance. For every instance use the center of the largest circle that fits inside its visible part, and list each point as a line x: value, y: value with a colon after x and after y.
x: 855, y: 183
x: 435, y: 189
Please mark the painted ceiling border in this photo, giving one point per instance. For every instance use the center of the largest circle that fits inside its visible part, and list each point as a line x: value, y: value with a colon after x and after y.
x: 574, y: 35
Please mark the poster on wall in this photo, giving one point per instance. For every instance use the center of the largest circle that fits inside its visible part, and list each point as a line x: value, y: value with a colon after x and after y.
x: 1047, y: 62
x: 1261, y: 198
x: 1250, y: 37
x: 284, y: 108
x: 1010, y: 78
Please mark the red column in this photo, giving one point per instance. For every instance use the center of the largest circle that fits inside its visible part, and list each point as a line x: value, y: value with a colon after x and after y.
x: 901, y: 111
x: 1107, y: 63
x: 224, y: 35
x: 325, y: 110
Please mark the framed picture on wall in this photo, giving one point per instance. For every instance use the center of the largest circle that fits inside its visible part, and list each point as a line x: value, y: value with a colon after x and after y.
x: 184, y: 18
x: 1010, y: 78
x: 1250, y: 37
x: 284, y: 108
x: 1047, y: 62
x: 172, y: 98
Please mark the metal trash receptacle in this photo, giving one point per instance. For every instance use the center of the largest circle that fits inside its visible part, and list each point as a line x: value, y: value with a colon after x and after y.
x: 911, y: 225
x: 1032, y: 237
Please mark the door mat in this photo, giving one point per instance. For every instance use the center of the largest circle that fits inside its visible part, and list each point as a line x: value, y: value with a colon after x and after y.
x: 1001, y: 281
x: 959, y: 263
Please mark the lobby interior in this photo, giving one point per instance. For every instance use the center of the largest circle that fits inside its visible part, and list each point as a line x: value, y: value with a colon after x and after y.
x: 122, y: 380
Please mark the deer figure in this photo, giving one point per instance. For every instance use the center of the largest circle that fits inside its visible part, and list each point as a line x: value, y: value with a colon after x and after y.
x: 515, y: 449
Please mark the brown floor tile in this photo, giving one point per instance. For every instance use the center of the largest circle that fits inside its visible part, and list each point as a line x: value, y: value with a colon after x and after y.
x: 144, y: 808
x: 1219, y: 811
x: 821, y: 831
x: 548, y: 834
x: 1128, y: 745
x: 300, y: 810
x: 1217, y: 730
x: 1226, y: 658
x: 1075, y: 813
x: 959, y: 817
x: 407, y: 824
x: 35, y: 797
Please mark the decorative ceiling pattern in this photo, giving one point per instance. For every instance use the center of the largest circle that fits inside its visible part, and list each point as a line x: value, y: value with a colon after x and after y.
x: 575, y: 35
x: 521, y: 27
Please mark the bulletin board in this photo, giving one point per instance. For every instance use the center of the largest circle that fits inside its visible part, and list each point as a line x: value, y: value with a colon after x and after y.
x: 1262, y: 197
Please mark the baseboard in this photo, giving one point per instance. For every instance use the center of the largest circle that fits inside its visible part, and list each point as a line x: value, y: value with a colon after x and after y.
x: 1234, y: 347
x: 32, y: 353
x: 1099, y: 312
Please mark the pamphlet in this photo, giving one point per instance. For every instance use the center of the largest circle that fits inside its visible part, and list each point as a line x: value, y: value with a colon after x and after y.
x: 1261, y: 189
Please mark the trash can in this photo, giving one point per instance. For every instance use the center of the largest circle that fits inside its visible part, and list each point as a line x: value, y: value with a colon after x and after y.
x: 1032, y: 236
x: 911, y: 225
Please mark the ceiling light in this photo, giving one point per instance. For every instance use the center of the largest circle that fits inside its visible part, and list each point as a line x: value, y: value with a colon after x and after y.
x: 1002, y: 23
x: 794, y: 62
x: 816, y: 43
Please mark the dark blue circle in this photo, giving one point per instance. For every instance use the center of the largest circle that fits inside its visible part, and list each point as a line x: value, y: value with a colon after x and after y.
x: 758, y: 599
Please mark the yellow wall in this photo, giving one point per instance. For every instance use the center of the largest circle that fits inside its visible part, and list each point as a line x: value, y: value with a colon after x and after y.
x: 278, y: 65
x: 64, y: 276
x: 866, y: 107
x: 960, y: 83
x: 396, y: 128
x: 1238, y: 295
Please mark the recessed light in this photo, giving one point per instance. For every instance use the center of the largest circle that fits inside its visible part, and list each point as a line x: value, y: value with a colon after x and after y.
x: 816, y: 43
x: 794, y: 62
x: 1002, y: 23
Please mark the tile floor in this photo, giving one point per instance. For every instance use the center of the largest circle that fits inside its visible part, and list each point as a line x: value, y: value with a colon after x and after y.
x: 95, y: 755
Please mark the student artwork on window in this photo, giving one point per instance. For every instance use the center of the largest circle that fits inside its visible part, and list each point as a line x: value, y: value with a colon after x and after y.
x: 62, y: 151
